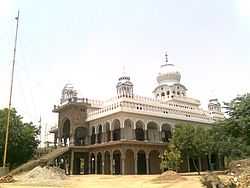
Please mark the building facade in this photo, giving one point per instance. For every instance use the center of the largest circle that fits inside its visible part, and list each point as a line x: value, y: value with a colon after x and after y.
x: 127, y: 133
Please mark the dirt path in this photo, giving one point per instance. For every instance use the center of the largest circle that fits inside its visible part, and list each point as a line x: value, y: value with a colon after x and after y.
x: 107, y: 181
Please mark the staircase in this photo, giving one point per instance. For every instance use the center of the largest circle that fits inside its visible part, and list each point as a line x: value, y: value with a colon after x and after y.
x: 44, y: 160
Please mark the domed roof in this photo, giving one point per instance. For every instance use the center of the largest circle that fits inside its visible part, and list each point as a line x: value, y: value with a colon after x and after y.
x: 169, y: 74
x: 124, y: 80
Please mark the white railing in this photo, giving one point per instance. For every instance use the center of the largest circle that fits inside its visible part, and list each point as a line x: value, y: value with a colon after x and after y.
x: 143, y: 104
x: 75, y: 100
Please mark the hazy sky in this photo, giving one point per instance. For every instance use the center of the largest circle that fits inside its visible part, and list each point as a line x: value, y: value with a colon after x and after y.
x: 87, y: 43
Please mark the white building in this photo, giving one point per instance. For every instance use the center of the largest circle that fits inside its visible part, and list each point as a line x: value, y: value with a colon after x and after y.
x: 127, y: 133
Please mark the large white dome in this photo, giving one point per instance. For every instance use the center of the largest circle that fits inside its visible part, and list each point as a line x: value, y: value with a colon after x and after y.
x: 169, y: 74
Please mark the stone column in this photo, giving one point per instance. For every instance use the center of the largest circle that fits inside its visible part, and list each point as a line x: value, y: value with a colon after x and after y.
x: 102, y: 163
x: 123, y: 166
x: 122, y: 133
x: 95, y: 163
x: 133, y: 134
x: 111, y: 162
x: 96, y: 138
x: 147, y: 161
x: 90, y: 163
x: 111, y: 135
x: 72, y: 163
x: 135, y: 157
x: 146, y: 135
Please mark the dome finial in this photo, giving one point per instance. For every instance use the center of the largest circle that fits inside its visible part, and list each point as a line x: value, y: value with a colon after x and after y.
x: 166, y: 55
x: 166, y: 59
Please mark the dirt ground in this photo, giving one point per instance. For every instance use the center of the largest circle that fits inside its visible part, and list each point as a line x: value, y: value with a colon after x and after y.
x: 107, y: 181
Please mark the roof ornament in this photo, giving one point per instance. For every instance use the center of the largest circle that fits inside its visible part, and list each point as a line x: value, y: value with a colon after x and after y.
x: 166, y: 64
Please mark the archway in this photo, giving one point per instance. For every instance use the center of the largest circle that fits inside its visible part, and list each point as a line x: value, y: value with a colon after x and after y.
x: 99, y: 135
x: 93, y: 135
x: 81, y: 134
x: 153, y: 134
x: 128, y: 129
x: 116, y: 129
x: 154, y: 162
x: 92, y: 165
x: 107, y: 163
x: 141, y: 163
x: 99, y: 163
x: 117, y: 162
x: 108, y: 132
x: 166, y: 133
x: 139, y: 131
x: 66, y: 132
x: 129, y: 162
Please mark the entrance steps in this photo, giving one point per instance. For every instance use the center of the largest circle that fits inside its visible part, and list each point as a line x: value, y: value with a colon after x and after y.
x: 42, y: 161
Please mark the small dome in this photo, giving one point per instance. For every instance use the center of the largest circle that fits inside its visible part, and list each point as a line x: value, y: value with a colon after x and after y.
x: 124, y: 80
x: 169, y: 74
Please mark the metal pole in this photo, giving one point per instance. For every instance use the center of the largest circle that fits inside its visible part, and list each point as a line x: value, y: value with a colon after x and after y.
x: 11, y: 86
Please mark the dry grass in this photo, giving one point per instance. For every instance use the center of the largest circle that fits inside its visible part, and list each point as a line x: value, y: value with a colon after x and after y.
x: 108, y: 181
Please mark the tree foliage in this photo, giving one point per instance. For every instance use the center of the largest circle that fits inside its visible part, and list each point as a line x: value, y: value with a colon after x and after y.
x: 238, y: 123
x: 22, y: 138
x: 229, y: 138
x: 171, y: 158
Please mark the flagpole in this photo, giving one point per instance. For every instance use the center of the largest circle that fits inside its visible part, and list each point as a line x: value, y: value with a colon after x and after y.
x: 11, y: 86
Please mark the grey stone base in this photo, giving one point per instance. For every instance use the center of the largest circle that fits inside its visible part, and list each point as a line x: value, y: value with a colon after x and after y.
x: 4, y: 171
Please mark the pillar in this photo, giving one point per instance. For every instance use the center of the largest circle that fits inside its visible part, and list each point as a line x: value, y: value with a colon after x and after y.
x: 122, y: 133
x: 146, y: 135
x: 135, y: 157
x: 96, y: 138
x: 102, y: 163
x: 133, y: 134
x: 111, y: 162
x: 123, y: 165
x: 89, y: 163
x: 72, y: 163
x: 147, y: 162
x: 95, y: 163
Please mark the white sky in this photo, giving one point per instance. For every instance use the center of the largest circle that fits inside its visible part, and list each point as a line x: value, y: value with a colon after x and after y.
x: 87, y: 43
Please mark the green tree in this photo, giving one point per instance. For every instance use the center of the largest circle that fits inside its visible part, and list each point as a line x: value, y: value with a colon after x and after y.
x: 237, y: 124
x: 22, y: 139
x: 171, y: 158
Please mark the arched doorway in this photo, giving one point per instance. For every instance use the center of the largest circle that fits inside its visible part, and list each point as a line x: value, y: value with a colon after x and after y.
x: 99, y: 135
x: 99, y: 163
x: 139, y: 131
x: 93, y: 135
x: 153, y: 134
x: 141, y: 163
x: 129, y: 162
x: 92, y: 165
x: 66, y: 132
x: 154, y: 162
x: 128, y: 129
x: 166, y: 133
x: 81, y: 134
x: 117, y: 162
x: 107, y: 163
x: 116, y: 129
x: 108, y: 132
